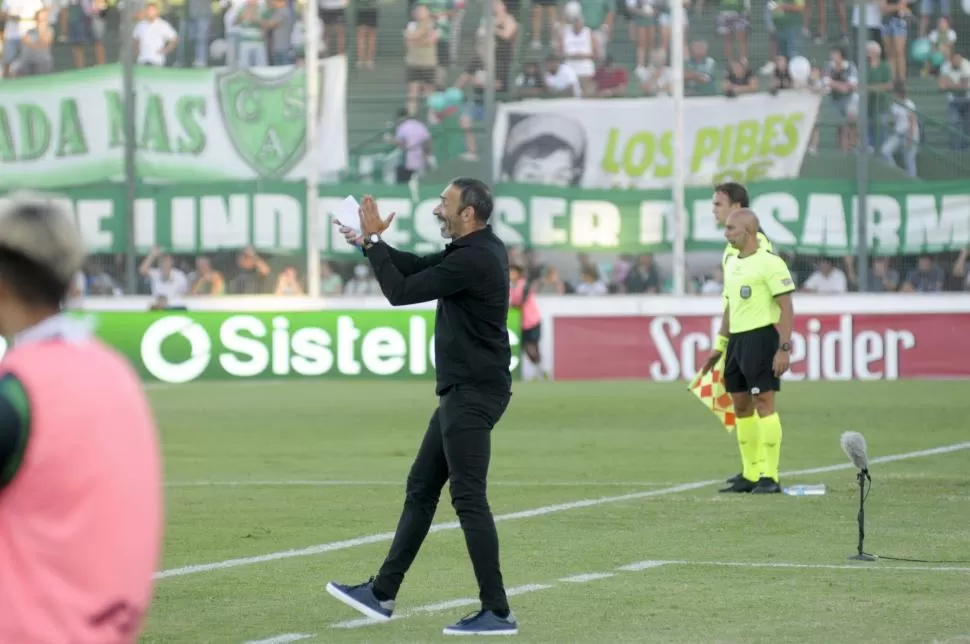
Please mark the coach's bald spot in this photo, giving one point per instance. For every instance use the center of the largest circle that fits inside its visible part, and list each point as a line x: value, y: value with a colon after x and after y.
x: 746, y: 220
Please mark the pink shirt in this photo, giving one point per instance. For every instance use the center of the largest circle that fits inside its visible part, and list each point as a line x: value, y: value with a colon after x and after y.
x: 81, y: 521
x: 531, y: 317
x: 412, y: 134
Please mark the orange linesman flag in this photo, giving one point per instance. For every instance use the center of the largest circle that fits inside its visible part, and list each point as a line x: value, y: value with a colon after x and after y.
x: 709, y: 389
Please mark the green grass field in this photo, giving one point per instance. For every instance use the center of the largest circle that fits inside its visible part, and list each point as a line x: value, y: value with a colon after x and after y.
x: 254, y: 470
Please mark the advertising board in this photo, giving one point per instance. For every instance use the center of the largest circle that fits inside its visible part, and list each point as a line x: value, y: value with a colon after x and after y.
x: 179, y: 347
x: 663, y: 338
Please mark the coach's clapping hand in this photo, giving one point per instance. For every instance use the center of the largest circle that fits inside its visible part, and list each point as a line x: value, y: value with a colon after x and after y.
x: 370, y: 220
x: 370, y: 223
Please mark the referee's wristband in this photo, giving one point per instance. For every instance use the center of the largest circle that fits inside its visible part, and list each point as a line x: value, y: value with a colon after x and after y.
x: 721, y: 343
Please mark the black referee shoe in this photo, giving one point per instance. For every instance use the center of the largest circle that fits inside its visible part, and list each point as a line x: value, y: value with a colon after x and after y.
x: 766, y: 485
x: 734, y: 479
x: 741, y: 486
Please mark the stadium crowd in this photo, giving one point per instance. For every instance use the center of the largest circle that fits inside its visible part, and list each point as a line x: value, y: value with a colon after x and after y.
x: 249, y: 273
x: 545, y: 48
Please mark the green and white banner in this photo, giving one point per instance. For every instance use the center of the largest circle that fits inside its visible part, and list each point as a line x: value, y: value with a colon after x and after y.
x: 816, y: 217
x: 629, y: 143
x: 181, y: 347
x: 194, y: 125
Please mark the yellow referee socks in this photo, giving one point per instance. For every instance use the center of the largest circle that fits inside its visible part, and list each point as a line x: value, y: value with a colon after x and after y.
x: 749, y: 441
x: 771, y: 439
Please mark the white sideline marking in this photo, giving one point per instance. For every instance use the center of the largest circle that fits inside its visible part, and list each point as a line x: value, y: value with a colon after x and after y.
x: 637, y: 567
x: 590, y: 576
x: 859, y: 566
x: 643, y: 565
x: 640, y: 566
x: 283, y: 639
x: 400, y: 483
x: 524, y: 514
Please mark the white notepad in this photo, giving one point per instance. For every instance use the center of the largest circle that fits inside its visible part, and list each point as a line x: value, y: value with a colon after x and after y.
x: 349, y: 214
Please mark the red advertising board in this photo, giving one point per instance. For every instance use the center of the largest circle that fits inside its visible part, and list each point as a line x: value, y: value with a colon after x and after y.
x: 869, y: 346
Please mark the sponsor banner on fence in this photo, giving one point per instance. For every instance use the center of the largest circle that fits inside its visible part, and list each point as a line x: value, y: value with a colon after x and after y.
x: 824, y: 347
x: 182, y: 347
x: 813, y: 217
x: 629, y: 142
x: 192, y: 125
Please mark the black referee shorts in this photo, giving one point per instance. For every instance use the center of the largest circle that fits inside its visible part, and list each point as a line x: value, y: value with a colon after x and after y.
x: 747, y: 366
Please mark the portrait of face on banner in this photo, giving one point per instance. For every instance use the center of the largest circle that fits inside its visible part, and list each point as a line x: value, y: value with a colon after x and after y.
x: 546, y: 149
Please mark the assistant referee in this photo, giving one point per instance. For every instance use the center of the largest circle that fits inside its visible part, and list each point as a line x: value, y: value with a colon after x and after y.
x: 758, y: 319
x: 729, y: 197
x: 470, y: 281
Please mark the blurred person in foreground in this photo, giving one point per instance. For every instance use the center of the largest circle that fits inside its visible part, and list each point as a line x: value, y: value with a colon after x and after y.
x: 758, y: 319
x: 470, y: 281
x: 80, y: 475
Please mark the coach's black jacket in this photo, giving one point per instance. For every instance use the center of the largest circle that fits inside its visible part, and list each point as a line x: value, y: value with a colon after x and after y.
x: 470, y: 280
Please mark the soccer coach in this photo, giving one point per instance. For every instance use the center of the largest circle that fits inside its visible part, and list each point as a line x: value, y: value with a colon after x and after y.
x: 470, y: 281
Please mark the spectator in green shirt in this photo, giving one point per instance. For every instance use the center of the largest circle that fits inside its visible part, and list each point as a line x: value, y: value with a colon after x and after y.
x: 842, y: 80
x: 599, y: 16
x: 786, y: 16
x: 734, y: 23
x: 444, y: 12
x: 252, y: 47
x: 666, y: 22
x: 331, y: 283
x: 700, y: 71
x: 644, y: 18
x: 880, y: 99
x: 550, y: 9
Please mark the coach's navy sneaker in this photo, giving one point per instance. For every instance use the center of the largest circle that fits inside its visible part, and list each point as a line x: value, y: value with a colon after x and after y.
x: 766, y: 486
x: 734, y: 479
x: 362, y: 599
x: 484, y: 622
x: 741, y: 486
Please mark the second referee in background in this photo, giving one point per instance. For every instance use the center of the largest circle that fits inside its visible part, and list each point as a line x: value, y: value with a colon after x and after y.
x: 470, y: 281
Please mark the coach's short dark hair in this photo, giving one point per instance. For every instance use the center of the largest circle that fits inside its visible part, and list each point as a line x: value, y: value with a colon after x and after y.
x: 40, y: 249
x: 735, y: 192
x: 476, y: 195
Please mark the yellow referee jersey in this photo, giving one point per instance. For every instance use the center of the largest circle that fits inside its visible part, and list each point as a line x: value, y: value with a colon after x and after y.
x: 763, y: 244
x: 751, y: 285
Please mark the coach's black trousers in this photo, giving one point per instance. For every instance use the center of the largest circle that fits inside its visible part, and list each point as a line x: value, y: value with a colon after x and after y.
x: 456, y: 449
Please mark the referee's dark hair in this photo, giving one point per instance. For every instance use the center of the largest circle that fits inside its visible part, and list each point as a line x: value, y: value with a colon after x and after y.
x: 735, y: 192
x: 475, y: 195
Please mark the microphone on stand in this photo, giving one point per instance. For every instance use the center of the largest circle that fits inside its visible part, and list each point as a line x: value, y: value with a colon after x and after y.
x: 854, y: 446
